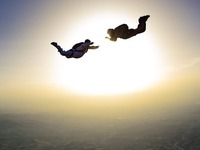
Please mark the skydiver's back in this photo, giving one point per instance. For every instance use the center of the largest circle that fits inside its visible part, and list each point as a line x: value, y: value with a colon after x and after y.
x: 77, y: 45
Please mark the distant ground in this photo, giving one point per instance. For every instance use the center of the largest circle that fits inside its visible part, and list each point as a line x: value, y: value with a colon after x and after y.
x: 56, y: 132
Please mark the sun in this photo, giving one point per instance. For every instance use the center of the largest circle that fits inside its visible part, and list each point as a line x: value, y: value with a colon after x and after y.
x: 115, y: 68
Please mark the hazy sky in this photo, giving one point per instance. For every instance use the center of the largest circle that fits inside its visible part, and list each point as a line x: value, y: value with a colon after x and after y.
x: 28, y: 27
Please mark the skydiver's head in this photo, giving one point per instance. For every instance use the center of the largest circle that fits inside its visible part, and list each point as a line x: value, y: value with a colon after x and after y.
x: 110, y: 32
x: 88, y: 41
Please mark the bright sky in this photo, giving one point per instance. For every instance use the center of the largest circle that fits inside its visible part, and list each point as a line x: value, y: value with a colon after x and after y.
x: 169, y: 46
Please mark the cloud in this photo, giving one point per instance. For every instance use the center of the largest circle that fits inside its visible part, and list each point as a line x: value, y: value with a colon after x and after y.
x: 192, y: 63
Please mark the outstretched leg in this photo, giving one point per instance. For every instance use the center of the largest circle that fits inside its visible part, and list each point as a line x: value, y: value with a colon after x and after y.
x: 57, y: 46
x: 142, y: 24
x: 141, y: 28
x: 68, y: 53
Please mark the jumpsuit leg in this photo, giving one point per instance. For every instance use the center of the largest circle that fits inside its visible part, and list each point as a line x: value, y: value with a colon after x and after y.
x: 68, y: 53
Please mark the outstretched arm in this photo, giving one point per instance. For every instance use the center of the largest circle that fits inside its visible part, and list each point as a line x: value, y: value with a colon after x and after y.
x: 111, y: 38
x: 93, y: 47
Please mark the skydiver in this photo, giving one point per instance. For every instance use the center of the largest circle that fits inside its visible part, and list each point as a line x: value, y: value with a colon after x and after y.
x: 77, y: 51
x: 123, y: 31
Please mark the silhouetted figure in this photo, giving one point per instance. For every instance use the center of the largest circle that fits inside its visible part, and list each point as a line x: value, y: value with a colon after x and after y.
x: 77, y: 51
x: 123, y: 32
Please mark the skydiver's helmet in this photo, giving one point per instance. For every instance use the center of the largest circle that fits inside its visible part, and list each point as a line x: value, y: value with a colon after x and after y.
x: 88, y: 41
x: 110, y: 32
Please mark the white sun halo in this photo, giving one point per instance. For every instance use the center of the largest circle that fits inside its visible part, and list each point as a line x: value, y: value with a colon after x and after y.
x: 116, y: 67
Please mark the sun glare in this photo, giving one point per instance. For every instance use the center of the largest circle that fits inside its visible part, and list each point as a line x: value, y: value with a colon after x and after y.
x: 116, y: 67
